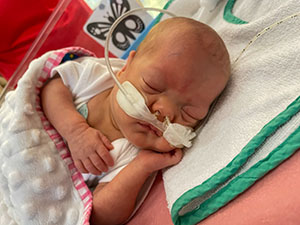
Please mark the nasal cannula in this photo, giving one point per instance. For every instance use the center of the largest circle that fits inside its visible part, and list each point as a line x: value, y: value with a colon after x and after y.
x: 133, y: 103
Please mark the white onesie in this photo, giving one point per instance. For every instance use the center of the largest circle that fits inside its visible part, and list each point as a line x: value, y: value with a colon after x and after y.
x: 87, y: 77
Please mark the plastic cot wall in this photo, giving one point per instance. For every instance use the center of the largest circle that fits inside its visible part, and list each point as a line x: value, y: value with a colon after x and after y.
x: 62, y: 29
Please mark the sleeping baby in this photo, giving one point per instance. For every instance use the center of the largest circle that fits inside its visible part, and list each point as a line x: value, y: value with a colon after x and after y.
x: 180, y: 68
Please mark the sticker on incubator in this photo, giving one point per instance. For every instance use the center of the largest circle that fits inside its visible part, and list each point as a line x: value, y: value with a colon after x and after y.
x: 127, y: 30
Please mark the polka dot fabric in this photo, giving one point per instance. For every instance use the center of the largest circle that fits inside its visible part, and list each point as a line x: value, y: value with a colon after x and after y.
x: 39, y: 183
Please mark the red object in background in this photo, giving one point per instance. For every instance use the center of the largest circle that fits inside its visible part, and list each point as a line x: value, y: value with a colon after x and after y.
x: 20, y: 23
x: 35, y: 27
x: 68, y: 31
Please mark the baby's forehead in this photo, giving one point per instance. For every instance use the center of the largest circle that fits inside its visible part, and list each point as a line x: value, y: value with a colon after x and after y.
x: 187, y: 85
x: 174, y: 68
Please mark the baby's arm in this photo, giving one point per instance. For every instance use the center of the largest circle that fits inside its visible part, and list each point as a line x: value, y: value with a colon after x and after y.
x: 89, y: 147
x: 115, y: 202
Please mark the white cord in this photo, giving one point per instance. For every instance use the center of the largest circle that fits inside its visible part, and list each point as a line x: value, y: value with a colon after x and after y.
x: 239, y: 56
x: 112, y: 28
x: 265, y: 30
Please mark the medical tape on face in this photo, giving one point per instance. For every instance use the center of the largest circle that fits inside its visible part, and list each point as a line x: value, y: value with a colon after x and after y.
x: 133, y: 104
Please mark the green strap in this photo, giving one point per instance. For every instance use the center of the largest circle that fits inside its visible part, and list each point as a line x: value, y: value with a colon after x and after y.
x: 228, y: 16
x: 83, y: 110
x: 244, y: 180
x: 158, y: 18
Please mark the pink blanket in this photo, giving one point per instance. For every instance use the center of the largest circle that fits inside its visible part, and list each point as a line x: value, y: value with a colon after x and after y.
x: 273, y: 200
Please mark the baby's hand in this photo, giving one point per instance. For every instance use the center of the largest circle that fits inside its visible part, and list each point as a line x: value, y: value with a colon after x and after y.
x: 151, y: 161
x: 90, y: 150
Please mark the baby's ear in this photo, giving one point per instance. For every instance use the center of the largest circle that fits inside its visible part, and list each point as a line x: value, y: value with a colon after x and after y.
x: 130, y: 57
x: 128, y: 61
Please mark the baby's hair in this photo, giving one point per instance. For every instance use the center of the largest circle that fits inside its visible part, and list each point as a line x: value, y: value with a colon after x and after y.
x: 190, y: 34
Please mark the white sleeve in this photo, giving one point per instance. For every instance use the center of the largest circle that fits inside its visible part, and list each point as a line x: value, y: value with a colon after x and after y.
x: 123, y: 153
x: 86, y: 77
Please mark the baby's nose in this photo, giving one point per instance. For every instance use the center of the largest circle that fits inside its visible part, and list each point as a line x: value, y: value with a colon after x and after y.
x: 164, y: 107
x: 159, y: 116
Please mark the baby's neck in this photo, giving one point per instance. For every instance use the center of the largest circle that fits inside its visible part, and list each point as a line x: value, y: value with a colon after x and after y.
x: 100, y: 116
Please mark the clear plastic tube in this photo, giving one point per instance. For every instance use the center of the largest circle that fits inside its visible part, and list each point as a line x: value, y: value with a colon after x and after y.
x: 176, y: 134
x: 153, y: 120
x: 115, y: 24
x: 205, y: 7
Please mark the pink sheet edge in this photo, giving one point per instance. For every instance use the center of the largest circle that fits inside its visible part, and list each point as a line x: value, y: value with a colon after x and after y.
x: 273, y: 200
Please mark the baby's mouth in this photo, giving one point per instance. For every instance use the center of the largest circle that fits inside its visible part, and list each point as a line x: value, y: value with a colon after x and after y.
x: 151, y: 128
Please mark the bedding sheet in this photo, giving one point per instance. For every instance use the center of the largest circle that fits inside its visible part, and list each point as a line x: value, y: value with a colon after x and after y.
x: 273, y: 200
x: 255, y: 124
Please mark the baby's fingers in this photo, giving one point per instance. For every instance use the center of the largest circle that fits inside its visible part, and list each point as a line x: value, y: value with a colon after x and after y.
x: 98, y: 162
x: 80, y: 166
x: 90, y: 167
x: 104, y: 154
x: 106, y: 142
x: 174, y: 156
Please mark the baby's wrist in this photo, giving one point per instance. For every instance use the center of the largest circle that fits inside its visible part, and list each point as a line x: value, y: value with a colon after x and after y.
x: 140, y: 166
x: 75, y: 130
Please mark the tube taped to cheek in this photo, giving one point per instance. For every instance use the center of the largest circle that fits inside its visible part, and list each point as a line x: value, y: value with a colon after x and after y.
x: 133, y: 104
x: 178, y: 135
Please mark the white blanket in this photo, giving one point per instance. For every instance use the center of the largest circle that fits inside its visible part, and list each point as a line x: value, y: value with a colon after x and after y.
x: 39, y: 183
x: 264, y: 82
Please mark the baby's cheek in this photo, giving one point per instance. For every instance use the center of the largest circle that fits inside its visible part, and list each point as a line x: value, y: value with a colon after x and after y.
x: 137, y: 139
x: 161, y: 145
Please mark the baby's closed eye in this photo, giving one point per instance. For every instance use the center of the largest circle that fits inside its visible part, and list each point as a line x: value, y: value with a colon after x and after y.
x: 187, y: 117
x: 150, y: 88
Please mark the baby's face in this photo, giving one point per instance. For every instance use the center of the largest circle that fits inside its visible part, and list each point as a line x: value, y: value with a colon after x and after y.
x: 179, y: 87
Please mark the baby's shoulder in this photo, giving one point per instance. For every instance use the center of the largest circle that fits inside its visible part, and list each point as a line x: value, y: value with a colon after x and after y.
x: 91, y: 60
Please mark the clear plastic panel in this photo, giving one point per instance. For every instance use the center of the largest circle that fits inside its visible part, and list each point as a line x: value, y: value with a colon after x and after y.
x: 64, y: 28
